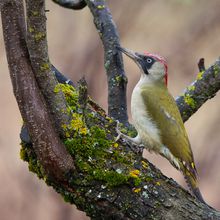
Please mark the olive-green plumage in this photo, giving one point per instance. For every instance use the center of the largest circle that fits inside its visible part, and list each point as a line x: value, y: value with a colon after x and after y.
x: 162, y: 108
x: 165, y: 114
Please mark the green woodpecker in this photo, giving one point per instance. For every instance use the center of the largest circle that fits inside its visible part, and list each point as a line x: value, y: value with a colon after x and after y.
x: 157, y: 119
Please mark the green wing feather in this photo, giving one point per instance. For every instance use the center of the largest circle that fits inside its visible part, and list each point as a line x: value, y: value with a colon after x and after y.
x: 162, y: 107
x: 164, y: 111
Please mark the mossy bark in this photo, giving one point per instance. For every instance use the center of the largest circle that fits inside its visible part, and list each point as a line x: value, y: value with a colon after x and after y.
x: 107, y: 180
x: 203, y: 88
x: 38, y: 52
x: 111, y: 181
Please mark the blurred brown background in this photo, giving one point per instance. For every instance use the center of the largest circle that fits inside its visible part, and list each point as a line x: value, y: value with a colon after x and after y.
x: 181, y: 30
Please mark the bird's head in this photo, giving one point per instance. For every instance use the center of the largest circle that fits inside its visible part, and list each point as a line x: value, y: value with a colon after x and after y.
x: 152, y: 66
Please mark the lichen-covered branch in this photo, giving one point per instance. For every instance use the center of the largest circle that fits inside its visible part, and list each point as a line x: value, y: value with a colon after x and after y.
x: 51, y: 153
x: 110, y: 180
x: 117, y: 81
x: 107, y: 180
x: 71, y: 4
x: 203, y: 88
x: 38, y: 51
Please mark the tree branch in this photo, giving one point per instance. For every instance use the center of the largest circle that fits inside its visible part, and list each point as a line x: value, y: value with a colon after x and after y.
x: 71, y: 4
x: 203, y: 88
x: 38, y: 51
x: 112, y: 182
x: 50, y: 151
x: 109, y: 181
x: 60, y: 77
x: 117, y: 81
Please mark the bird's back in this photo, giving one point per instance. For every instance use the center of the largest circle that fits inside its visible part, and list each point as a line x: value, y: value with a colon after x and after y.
x: 165, y: 113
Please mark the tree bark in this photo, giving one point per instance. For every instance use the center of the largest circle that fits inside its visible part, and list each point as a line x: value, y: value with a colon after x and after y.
x: 203, y: 88
x: 107, y: 180
x: 38, y: 52
x: 116, y: 78
x: 50, y: 151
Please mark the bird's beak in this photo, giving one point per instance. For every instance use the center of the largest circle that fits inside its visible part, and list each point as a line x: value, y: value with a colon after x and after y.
x: 129, y: 53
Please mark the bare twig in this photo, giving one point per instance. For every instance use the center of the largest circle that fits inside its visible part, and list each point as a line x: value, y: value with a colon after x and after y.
x: 203, y: 88
x: 201, y: 64
x: 38, y: 51
x: 47, y: 145
x: 117, y: 81
x: 71, y: 4
x: 60, y: 77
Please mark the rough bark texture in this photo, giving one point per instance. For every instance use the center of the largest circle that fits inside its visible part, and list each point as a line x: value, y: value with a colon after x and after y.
x: 107, y: 180
x: 38, y: 51
x: 48, y: 147
x: 117, y: 81
x: 203, y: 88
x: 113, y: 182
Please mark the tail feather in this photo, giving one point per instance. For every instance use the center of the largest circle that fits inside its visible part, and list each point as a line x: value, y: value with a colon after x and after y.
x: 193, y: 186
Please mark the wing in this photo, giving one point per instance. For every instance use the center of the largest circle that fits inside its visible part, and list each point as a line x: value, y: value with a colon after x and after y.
x: 165, y: 113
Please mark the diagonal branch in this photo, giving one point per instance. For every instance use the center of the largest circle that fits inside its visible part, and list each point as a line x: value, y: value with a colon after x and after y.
x: 47, y: 145
x: 117, y: 81
x: 71, y: 4
x: 203, y: 88
x: 38, y: 51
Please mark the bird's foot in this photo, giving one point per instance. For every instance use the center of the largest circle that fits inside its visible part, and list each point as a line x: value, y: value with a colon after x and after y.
x: 134, y: 143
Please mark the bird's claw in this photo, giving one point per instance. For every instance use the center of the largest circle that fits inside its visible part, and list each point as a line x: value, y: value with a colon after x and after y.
x: 118, y: 131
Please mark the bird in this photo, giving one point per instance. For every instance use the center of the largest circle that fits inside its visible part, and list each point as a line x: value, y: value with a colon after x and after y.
x: 157, y: 119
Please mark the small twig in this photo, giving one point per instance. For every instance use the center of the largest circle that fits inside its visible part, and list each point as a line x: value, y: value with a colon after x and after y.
x: 117, y: 81
x: 60, y: 77
x: 71, y: 4
x: 203, y: 88
x: 201, y: 64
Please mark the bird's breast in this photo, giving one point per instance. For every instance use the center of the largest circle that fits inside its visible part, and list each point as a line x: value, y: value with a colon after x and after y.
x: 146, y: 128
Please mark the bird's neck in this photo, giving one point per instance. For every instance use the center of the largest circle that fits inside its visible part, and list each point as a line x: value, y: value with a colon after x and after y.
x: 149, y: 82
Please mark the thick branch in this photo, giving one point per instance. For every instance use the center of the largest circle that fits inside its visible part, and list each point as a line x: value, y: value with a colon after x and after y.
x: 71, y: 4
x: 112, y: 182
x: 117, y: 81
x: 38, y: 51
x: 203, y: 88
x: 49, y: 150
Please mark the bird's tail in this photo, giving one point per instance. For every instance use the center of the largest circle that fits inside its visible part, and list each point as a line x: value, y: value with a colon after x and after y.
x: 191, y: 181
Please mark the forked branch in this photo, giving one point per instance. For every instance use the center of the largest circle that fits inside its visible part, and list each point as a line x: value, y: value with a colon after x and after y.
x: 50, y: 151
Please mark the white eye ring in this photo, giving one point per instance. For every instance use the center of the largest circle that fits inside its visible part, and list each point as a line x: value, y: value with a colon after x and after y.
x: 149, y: 60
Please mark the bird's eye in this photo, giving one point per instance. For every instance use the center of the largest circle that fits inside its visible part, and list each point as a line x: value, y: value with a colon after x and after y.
x: 149, y: 60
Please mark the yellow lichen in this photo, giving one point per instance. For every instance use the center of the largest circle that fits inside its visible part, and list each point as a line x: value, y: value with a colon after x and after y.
x: 39, y: 36
x: 35, y: 13
x: 134, y: 173
x: 191, y: 88
x: 115, y: 145
x: 189, y: 101
x: 136, y: 190
x: 44, y: 66
x: 31, y: 29
x: 216, y: 70
x: 83, y: 131
x: 101, y: 6
x: 200, y: 74
x: 158, y: 183
x: 144, y: 164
